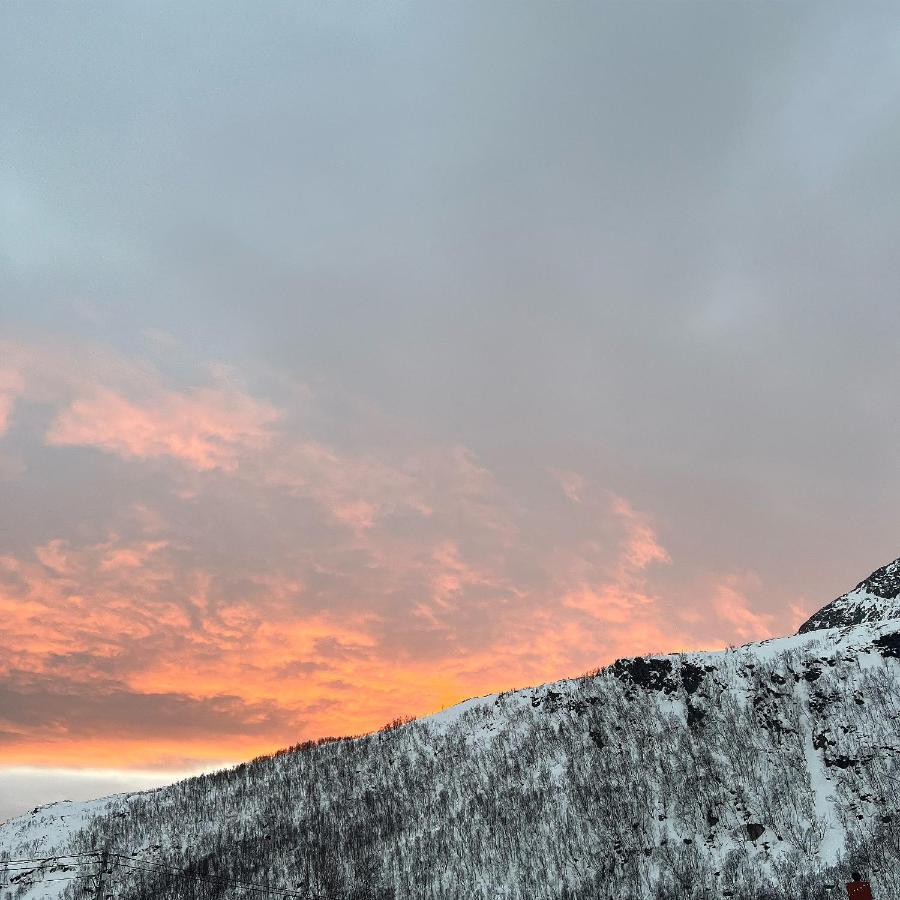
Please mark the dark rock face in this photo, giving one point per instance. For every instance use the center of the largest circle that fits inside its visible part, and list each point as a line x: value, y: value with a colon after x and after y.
x: 754, y: 830
x: 885, y: 582
x: 872, y: 600
x: 645, y: 672
x: 888, y: 645
x: 692, y: 676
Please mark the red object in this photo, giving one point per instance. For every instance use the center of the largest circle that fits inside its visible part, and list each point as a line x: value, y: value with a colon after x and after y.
x: 859, y: 890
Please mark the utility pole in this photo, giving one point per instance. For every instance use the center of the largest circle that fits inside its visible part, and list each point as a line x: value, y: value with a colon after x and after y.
x: 104, y: 859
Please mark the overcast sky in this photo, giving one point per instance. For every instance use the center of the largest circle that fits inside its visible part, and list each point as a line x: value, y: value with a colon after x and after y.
x: 357, y: 358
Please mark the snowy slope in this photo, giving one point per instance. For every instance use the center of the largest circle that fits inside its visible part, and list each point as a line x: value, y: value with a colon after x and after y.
x: 42, y: 836
x: 764, y: 771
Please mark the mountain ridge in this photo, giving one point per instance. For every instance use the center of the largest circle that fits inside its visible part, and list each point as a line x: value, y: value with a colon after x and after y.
x: 874, y: 599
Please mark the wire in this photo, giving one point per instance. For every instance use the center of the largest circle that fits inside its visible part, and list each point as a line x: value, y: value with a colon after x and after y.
x: 32, y: 868
x: 26, y: 859
x: 51, y: 880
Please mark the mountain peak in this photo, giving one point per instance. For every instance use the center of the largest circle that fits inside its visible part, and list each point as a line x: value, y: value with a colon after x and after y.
x: 874, y: 599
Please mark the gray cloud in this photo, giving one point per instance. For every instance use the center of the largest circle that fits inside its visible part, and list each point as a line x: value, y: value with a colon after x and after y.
x: 69, y: 710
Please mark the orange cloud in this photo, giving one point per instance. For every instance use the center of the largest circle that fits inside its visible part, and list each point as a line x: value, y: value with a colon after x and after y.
x: 119, y: 619
x: 323, y: 587
x: 96, y: 631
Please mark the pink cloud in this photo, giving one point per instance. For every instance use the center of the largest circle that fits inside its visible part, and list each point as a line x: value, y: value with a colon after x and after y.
x: 609, y: 603
x: 206, y: 428
x: 731, y: 605
x: 356, y: 489
x: 128, y: 408
x: 361, y: 488
x: 640, y: 547
x: 572, y: 483
x: 56, y: 556
x: 131, y: 557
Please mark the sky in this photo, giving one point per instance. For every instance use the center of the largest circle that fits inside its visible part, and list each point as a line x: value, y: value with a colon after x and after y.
x: 359, y: 358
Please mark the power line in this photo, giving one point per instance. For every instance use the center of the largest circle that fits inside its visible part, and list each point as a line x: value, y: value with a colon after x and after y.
x: 33, y: 883
x: 33, y: 868
x: 26, y: 859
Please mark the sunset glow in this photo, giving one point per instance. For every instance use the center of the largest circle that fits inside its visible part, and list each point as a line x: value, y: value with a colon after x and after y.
x: 357, y: 360
x: 127, y: 644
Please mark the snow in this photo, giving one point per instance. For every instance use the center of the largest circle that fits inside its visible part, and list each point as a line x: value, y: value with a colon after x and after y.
x: 832, y: 843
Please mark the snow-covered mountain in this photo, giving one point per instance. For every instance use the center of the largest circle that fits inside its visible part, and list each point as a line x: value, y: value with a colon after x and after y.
x: 769, y: 770
x: 872, y: 600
